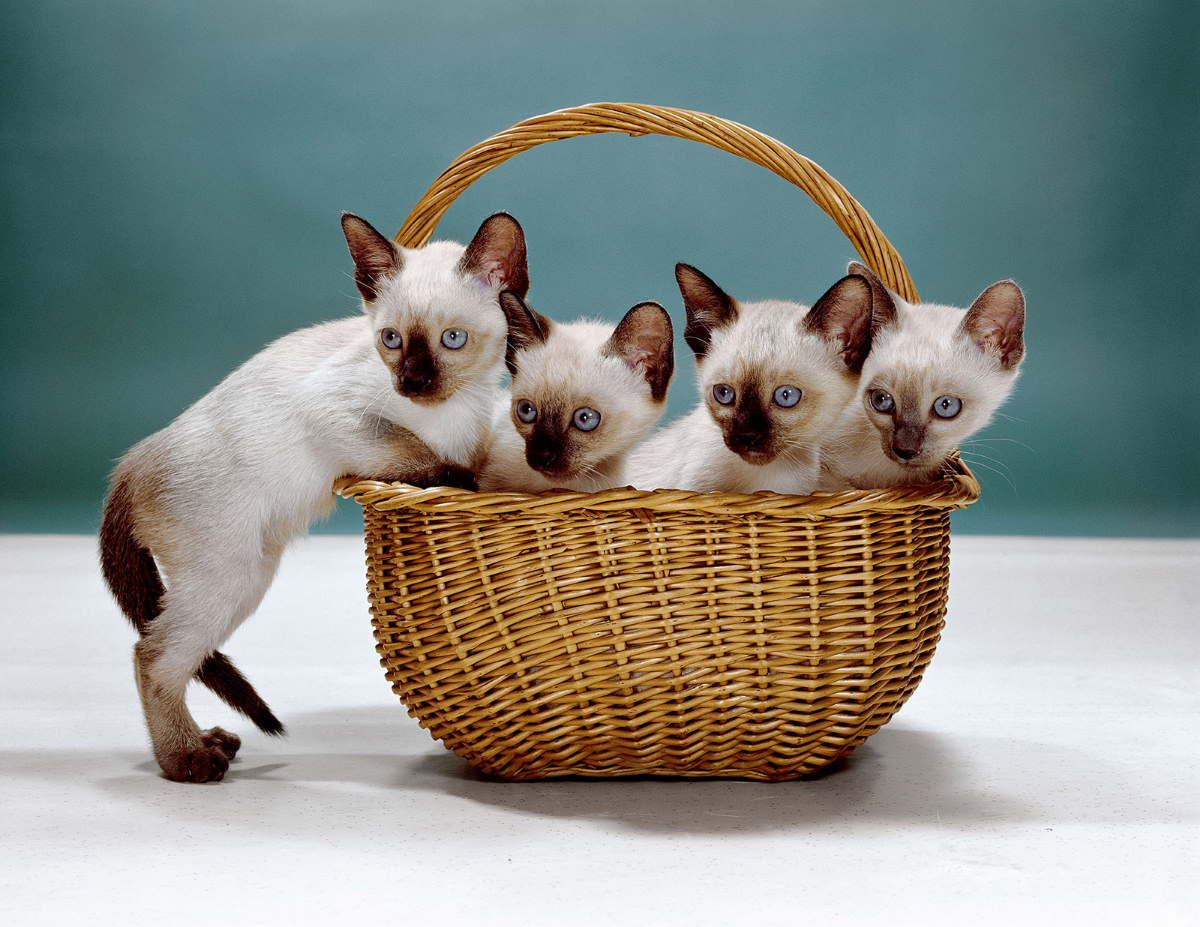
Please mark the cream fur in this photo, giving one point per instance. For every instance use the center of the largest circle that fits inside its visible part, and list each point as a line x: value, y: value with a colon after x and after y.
x: 766, y: 347
x: 920, y: 356
x: 567, y: 372
x: 218, y: 493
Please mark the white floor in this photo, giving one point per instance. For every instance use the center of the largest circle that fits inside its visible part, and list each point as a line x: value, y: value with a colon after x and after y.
x: 1045, y: 772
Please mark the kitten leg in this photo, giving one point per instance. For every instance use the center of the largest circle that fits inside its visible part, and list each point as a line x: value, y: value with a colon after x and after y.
x: 439, y: 475
x: 200, y: 610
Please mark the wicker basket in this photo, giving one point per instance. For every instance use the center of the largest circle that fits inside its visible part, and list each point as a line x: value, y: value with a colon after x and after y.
x: 665, y: 633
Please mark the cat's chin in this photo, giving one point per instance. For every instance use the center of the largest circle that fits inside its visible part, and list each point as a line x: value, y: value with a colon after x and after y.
x: 427, y: 400
x: 757, y: 458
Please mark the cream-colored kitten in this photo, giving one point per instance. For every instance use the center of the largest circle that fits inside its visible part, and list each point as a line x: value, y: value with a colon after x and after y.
x: 773, y: 377
x: 583, y: 393
x: 199, y: 513
x: 934, y: 377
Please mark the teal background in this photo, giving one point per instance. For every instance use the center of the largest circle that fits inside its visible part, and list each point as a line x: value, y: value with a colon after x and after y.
x: 172, y: 176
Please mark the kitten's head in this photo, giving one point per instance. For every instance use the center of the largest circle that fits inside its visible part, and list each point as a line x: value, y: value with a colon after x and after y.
x: 584, y: 393
x: 936, y: 374
x: 435, y: 310
x: 774, y: 374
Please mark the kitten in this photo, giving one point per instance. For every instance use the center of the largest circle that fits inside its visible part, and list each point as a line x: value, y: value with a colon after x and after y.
x: 935, y: 376
x: 199, y: 513
x: 773, y: 377
x: 582, y: 395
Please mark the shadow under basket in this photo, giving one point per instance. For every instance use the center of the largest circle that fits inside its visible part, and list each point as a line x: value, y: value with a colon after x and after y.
x: 657, y: 633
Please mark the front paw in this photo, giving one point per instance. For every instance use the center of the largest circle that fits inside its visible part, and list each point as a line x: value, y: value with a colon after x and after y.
x: 204, y: 762
x: 219, y: 739
x: 450, y: 475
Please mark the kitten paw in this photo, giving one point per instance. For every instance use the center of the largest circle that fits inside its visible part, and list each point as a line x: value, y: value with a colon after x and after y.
x: 450, y: 475
x: 206, y: 762
x: 219, y: 739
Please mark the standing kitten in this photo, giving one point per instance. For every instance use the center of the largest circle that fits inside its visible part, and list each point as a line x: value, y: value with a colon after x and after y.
x: 582, y: 395
x: 935, y: 376
x: 773, y: 378
x: 400, y: 392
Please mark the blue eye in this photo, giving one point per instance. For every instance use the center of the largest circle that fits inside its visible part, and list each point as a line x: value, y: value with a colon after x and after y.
x: 390, y: 339
x: 724, y: 394
x: 947, y: 406
x: 882, y: 401
x: 526, y: 411
x: 787, y: 396
x: 586, y: 419
x: 454, y: 338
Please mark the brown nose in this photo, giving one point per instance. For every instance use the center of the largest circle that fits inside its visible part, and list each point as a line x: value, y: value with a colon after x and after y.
x: 543, y: 452
x: 907, y: 441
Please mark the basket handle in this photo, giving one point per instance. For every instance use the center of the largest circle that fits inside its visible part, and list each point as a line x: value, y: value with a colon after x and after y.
x: 636, y: 119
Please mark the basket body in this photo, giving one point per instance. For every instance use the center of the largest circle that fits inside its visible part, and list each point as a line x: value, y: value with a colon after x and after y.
x: 636, y: 634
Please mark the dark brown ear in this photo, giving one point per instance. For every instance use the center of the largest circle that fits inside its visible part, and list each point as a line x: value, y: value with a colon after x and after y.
x: 496, y: 255
x: 883, y: 307
x: 843, y: 315
x: 374, y: 256
x: 708, y: 308
x: 645, y: 341
x: 526, y: 328
x: 996, y: 322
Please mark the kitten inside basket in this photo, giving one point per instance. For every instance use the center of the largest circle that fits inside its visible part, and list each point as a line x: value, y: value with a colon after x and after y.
x: 861, y: 391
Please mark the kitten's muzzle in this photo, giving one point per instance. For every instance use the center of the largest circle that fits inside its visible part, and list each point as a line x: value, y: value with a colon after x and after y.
x: 417, y: 375
x: 749, y: 435
x: 907, y: 441
x: 544, y: 453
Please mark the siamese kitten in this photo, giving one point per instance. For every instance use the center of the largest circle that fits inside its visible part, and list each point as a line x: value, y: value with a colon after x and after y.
x: 934, y: 377
x: 582, y: 395
x: 773, y: 378
x: 200, y: 512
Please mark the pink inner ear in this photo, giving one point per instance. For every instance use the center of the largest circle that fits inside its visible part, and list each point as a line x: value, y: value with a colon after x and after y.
x: 493, y: 275
x: 640, y: 358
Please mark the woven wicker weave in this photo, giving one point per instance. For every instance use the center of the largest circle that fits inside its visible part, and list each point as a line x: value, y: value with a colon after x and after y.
x: 667, y: 632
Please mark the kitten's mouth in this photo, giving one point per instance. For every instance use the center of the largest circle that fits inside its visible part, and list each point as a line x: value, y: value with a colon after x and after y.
x: 423, y: 394
x: 755, y: 457
x: 917, y: 461
x: 565, y: 472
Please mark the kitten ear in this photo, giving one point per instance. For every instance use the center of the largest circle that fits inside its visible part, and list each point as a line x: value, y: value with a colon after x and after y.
x: 496, y: 255
x: 708, y: 308
x: 645, y: 341
x: 526, y: 328
x: 843, y: 315
x: 883, y: 307
x: 996, y: 323
x: 374, y: 256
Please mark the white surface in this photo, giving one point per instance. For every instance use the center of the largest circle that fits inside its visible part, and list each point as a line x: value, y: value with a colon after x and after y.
x: 1044, y: 772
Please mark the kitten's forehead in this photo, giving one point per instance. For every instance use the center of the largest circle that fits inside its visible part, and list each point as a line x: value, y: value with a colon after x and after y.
x: 768, y: 345
x: 570, y: 365
x: 763, y: 331
x: 924, y: 354
x: 431, y: 293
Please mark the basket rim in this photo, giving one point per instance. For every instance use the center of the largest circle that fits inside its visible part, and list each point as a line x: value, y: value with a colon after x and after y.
x: 955, y: 489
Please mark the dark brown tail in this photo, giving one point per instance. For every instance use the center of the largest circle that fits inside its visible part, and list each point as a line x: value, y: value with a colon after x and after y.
x: 133, y: 577
x: 234, y: 689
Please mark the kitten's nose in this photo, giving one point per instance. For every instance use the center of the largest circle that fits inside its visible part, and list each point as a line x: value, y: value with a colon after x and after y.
x: 750, y: 430
x: 742, y: 442
x: 907, y: 441
x: 418, y: 372
x: 541, y: 454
